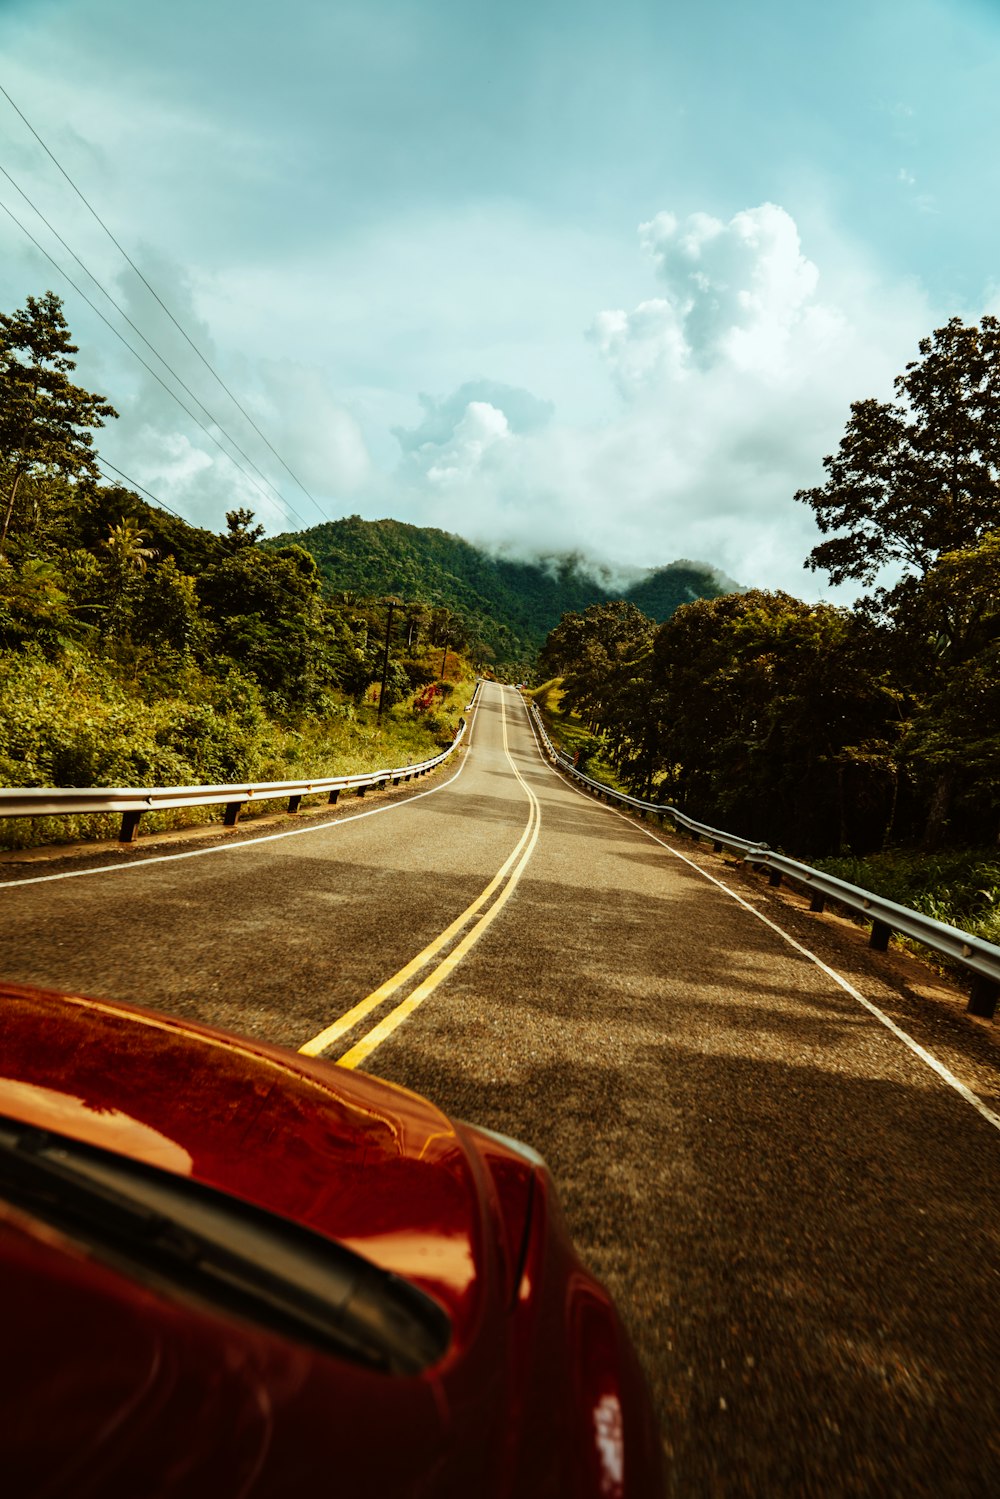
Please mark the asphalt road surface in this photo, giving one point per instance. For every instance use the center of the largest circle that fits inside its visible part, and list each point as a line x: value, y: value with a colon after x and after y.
x: 783, y: 1167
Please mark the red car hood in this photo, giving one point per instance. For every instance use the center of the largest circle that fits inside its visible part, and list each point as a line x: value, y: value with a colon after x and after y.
x: 363, y: 1162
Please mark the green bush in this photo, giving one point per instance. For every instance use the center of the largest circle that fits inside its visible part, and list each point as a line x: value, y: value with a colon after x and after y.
x: 76, y: 722
x: 960, y: 887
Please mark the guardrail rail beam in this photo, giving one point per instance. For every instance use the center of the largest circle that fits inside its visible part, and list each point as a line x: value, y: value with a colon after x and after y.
x: 977, y: 957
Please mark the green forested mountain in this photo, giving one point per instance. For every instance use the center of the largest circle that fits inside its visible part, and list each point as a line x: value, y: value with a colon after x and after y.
x: 507, y: 606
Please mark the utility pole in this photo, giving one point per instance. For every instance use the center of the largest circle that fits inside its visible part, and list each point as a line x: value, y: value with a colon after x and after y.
x: 392, y: 604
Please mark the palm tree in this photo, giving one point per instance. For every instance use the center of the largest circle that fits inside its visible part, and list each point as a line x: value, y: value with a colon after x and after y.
x: 124, y: 542
x: 128, y: 558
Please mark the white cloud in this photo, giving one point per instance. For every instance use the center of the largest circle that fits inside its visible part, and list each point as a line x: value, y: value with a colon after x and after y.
x: 737, y: 378
x: 462, y: 456
x: 643, y: 347
x: 735, y: 293
x: 316, y: 435
x: 524, y: 412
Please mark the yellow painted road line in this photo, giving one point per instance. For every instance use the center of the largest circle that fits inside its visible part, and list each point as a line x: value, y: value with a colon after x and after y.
x: 385, y: 1027
x: 512, y: 867
x: 365, y: 1006
x: 403, y: 1011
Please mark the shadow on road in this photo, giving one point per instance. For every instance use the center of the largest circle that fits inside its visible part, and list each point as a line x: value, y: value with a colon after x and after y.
x: 797, y: 1217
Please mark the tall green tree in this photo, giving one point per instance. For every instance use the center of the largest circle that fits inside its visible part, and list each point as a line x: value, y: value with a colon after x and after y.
x: 917, y: 477
x: 586, y: 649
x: 948, y: 643
x: 44, y: 417
x: 126, y: 557
x: 776, y: 718
x: 240, y: 531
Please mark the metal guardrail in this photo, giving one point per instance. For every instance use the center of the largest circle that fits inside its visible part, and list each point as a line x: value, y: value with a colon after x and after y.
x: 978, y: 957
x: 130, y: 802
x: 981, y: 958
x: 718, y: 838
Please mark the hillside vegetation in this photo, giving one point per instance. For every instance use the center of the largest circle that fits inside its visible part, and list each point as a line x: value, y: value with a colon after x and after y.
x: 138, y: 650
x: 507, y: 607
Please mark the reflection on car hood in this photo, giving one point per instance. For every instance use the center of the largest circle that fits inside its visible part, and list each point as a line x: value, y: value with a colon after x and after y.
x: 357, y: 1160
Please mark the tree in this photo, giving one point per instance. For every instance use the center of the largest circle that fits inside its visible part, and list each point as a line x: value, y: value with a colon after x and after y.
x: 776, y: 718
x: 125, y: 548
x: 417, y: 617
x: 126, y: 559
x: 165, y: 613
x: 584, y: 649
x: 33, y: 606
x: 948, y: 641
x: 239, y: 532
x: 43, y: 415
x: 266, y: 612
x: 919, y: 477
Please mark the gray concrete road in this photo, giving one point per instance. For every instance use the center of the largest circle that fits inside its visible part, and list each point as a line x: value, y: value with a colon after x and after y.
x: 795, y: 1210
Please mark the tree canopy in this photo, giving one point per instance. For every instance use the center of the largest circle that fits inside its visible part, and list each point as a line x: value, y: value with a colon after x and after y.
x: 824, y: 728
x: 916, y: 477
x: 44, y: 417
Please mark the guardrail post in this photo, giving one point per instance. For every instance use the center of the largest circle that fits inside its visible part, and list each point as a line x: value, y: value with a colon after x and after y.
x: 129, y: 830
x: 362, y: 790
x: 294, y: 802
x: 983, y: 997
x: 879, y: 939
x: 717, y: 847
x: 231, y: 815
x: 818, y: 902
x: 334, y: 797
x: 774, y: 878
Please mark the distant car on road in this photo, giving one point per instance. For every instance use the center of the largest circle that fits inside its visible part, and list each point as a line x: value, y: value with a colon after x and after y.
x: 229, y: 1270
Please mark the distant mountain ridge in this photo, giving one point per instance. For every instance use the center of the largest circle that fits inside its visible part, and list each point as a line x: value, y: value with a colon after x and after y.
x: 508, y: 605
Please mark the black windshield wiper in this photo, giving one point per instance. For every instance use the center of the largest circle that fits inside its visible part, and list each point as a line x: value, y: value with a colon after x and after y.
x: 155, y: 1225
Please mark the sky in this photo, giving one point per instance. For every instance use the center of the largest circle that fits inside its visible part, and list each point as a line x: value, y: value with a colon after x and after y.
x: 553, y: 275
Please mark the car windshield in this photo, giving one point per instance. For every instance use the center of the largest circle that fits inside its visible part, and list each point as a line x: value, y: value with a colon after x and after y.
x: 171, y: 1230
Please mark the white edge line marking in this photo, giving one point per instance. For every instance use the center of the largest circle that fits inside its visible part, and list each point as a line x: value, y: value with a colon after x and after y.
x: 228, y: 848
x: 925, y: 1056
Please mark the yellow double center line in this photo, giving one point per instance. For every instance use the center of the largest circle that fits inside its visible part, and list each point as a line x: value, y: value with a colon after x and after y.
x: 505, y: 881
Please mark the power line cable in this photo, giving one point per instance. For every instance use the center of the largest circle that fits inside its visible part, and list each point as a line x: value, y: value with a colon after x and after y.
x: 138, y: 331
x: 146, y: 366
x: 211, y: 369
x: 103, y: 463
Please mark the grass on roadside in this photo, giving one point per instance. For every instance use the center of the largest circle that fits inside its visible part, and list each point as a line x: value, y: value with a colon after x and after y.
x: 960, y: 887
x: 82, y: 728
x: 570, y: 734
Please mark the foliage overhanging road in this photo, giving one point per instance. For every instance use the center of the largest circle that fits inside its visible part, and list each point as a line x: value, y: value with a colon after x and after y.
x: 797, y: 1216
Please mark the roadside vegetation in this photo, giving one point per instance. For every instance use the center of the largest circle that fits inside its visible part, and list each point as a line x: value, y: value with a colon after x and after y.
x: 958, y: 886
x: 864, y: 739
x: 570, y: 734
x: 136, y: 650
